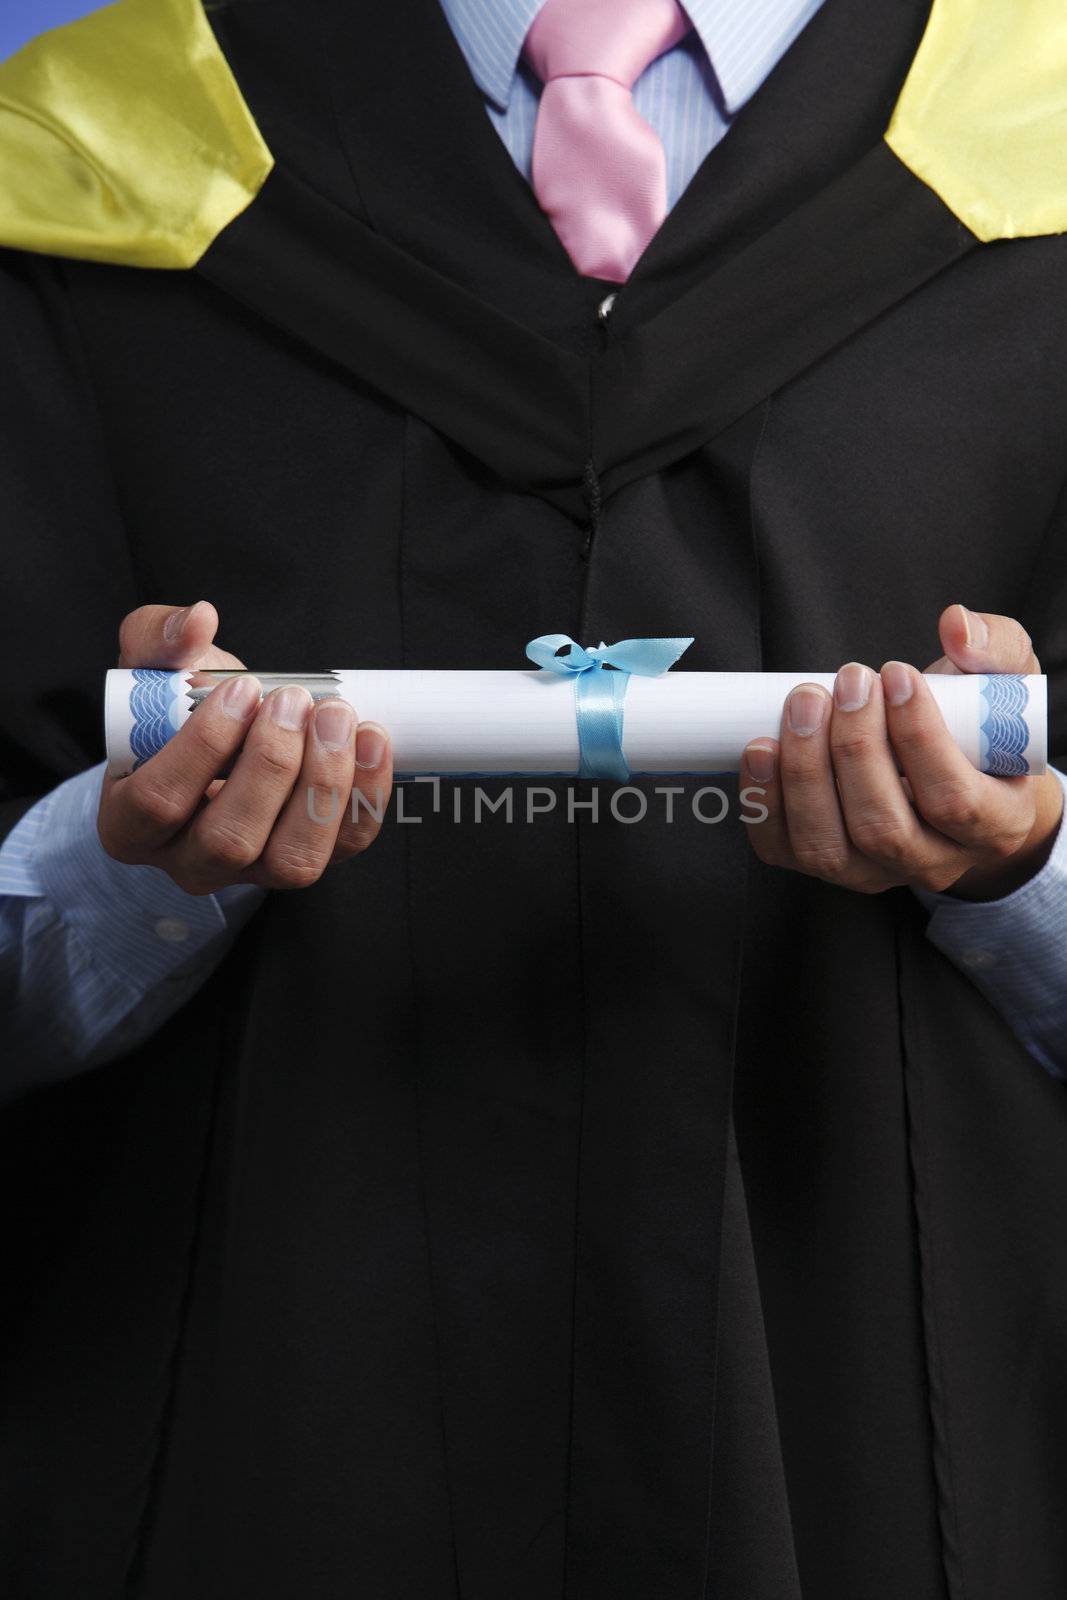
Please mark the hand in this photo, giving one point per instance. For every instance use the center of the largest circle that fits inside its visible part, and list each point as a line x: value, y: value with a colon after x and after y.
x: 206, y: 834
x: 838, y: 808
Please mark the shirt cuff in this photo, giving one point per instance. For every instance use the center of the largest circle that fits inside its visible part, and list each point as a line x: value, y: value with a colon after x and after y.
x: 1013, y: 950
x: 135, y: 920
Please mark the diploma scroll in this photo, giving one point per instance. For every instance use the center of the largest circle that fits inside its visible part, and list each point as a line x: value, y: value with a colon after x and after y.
x: 456, y: 724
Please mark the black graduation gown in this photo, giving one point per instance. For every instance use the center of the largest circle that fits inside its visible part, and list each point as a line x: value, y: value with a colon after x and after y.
x: 539, y: 1210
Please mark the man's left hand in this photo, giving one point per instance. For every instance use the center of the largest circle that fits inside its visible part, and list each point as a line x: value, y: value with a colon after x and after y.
x: 838, y: 808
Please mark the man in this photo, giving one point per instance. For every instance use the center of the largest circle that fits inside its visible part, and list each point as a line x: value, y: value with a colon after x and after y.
x: 569, y: 1208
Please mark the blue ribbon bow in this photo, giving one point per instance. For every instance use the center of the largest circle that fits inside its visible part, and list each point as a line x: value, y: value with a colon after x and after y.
x: 601, y: 674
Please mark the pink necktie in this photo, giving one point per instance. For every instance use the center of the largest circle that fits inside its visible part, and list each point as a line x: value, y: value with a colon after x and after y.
x: 599, y: 171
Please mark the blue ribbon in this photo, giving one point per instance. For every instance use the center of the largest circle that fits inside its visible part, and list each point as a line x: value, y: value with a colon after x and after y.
x: 601, y: 674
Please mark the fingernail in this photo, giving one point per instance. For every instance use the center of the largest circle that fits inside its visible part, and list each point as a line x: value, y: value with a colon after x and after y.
x: 760, y: 759
x: 240, y: 697
x: 370, y: 745
x: 852, y: 688
x: 897, y: 679
x: 289, y: 707
x: 976, y: 628
x: 333, y: 724
x: 172, y: 628
x: 806, y: 708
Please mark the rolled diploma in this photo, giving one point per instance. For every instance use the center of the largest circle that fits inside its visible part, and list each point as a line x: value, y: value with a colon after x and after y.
x: 523, y: 723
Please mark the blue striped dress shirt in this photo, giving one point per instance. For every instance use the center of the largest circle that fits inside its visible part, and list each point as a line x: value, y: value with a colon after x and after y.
x: 94, y: 955
x: 688, y: 95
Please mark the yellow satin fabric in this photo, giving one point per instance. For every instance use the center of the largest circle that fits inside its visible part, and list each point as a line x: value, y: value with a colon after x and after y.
x: 124, y: 138
x: 982, y: 118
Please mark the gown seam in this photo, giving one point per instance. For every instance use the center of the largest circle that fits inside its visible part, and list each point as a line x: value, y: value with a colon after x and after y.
x: 706, y: 1590
x: 136, y: 1567
x: 937, y: 1409
x: 589, y: 557
x: 580, y: 931
x: 416, y: 1055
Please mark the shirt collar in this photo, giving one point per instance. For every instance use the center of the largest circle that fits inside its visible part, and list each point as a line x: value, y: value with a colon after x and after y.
x: 744, y: 39
x: 491, y: 34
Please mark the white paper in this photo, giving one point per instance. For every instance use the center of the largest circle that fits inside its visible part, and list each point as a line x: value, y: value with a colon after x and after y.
x: 524, y: 724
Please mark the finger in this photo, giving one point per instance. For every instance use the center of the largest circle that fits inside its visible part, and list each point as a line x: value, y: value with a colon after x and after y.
x: 140, y: 813
x: 990, y: 815
x: 372, y: 786
x: 943, y: 666
x: 979, y: 641
x: 817, y: 834
x: 172, y: 636
x: 761, y: 780
x: 880, y: 823
x: 304, y: 837
x: 231, y: 833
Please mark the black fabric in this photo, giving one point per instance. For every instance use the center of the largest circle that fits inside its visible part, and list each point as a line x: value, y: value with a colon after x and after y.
x: 635, y: 405
x: 544, y: 1210
x: 433, y: 347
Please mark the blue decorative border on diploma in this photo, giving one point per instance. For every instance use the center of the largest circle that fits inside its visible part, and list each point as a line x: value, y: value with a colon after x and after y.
x: 155, y: 706
x: 1004, y: 733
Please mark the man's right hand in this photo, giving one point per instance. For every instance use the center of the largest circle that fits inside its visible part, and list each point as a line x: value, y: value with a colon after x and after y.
x: 254, y: 827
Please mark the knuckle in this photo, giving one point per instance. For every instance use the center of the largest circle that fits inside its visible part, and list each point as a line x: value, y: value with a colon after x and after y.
x: 764, y: 844
x: 113, y: 845
x: 274, y: 759
x: 292, y: 869
x: 937, y: 876
x: 764, y: 838
x: 875, y: 885
x: 866, y: 878
x: 802, y: 769
x: 323, y: 806
x: 774, y: 856
x: 196, y: 884
x: 911, y: 733
x: 354, y: 840
x: 226, y: 847
x: 917, y: 723
x: 951, y: 806
x: 215, y: 739
x: 160, y: 806
x: 882, y: 837
x: 1003, y: 845
x: 821, y: 858
x: 851, y: 743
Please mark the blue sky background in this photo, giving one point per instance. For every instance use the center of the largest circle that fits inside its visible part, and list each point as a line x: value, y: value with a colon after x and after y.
x: 20, y: 20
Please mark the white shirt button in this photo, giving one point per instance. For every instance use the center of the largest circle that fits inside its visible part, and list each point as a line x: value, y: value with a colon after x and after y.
x: 172, y: 929
x: 976, y: 959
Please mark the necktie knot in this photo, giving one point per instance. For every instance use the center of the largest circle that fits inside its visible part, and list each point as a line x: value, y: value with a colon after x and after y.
x: 614, y: 39
x: 599, y: 170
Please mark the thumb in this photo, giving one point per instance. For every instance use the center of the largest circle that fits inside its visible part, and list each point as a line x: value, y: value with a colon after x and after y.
x: 171, y: 636
x: 981, y: 641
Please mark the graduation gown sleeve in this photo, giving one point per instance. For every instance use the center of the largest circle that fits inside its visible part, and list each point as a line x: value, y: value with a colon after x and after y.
x: 65, y: 568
